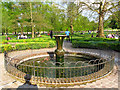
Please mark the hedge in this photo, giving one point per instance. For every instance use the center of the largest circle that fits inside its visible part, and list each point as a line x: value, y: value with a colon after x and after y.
x: 6, y: 47
x: 30, y: 40
x: 93, y: 39
x: 97, y: 45
x: 30, y: 45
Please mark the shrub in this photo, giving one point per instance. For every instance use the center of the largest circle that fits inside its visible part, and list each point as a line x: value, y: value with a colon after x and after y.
x: 34, y: 45
x: 110, y: 39
x: 6, y: 47
x: 81, y: 44
x: 22, y: 46
x: 52, y: 44
x: 31, y: 40
x: 115, y: 46
x: 5, y: 42
x: 0, y: 48
x: 97, y: 45
x: 94, y: 39
x: 102, y: 45
x: 38, y: 45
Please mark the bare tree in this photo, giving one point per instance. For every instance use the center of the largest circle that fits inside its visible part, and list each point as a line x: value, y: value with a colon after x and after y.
x: 102, y: 8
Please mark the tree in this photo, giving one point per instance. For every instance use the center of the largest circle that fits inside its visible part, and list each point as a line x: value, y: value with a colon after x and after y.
x: 31, y: 17
x: 115, y: 20
x: 72, y: 12
x: 7, y: 15
x: 101, y: 7
x: 5, y: 23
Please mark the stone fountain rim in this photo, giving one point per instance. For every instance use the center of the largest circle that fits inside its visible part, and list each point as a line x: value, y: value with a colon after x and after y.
x: 66, y: 54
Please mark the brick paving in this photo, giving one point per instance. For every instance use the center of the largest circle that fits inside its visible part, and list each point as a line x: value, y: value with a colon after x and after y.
x: 111, y: 81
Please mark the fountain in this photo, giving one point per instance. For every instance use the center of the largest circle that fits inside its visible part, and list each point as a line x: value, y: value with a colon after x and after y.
x: 59, y: 51
x: 63, y: 67
x: 59, y: 54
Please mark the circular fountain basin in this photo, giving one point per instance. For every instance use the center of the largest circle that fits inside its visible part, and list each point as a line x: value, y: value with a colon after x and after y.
x: 74, y: 65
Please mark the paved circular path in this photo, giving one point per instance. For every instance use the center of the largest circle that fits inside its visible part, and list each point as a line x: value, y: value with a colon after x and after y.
x: 110, y: 81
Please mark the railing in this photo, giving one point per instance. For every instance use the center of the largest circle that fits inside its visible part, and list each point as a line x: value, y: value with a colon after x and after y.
x: 56, y: 75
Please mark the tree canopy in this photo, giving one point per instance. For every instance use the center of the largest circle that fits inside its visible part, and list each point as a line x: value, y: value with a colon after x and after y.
x: 45, y: 16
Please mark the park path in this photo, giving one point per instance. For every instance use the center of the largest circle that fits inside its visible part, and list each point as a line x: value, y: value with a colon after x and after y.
x: 110, y: 81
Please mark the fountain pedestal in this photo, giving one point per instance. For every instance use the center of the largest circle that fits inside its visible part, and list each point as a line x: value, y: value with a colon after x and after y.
x: 59, y: 53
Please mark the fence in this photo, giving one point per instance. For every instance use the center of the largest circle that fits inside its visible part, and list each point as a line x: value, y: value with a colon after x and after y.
x: 56, y: 75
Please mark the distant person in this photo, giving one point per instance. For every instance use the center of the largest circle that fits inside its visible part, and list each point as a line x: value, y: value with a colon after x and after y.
x: 18, y: 36
x: 110, y: 35
x: 6, y: 37
x: 38, y: 35
x: 51, y: 34
x: 67, y: 34
x: 9, y: 38
x: 27, y: 85
x: 97, y: 35
x: 92, y: 35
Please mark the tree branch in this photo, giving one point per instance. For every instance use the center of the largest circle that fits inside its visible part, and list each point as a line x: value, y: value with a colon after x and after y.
x: 89, y: 7
x: 115, y: 16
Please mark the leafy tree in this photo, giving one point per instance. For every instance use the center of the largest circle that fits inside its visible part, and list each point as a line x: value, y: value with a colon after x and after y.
x: 101, y: 7
x: 113, y: 21
x: 72, y: 12
x: 7, y: 15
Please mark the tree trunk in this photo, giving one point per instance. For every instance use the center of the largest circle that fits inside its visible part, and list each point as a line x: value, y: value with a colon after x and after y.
x: 38, y: 31
x: 15, y: 32
x: 5, y: 31
x: 27, y: 31
x: 32, y: 21
x: 21, y: 29
x: 2, y: 33
x: 71, y: 26
x: 34, y: 33
x: 100, y: 27
x: 101, y: 19
x: 43, y: 31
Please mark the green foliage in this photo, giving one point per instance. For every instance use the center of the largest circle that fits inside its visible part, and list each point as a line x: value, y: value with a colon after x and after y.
x: 6, y: 47
x: 30, y: 45
x: 52, y: 44
x: 1, y: 48
x: 34, y: 45
x: 97, y: 45
x: 113, y: 21
x: 102, y: 45
x: 30, y: 40
x: 46, y: 16
x: 5, y: 42
x: 86, y: 41
x: 115, y: 46
x: 94, y: 39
